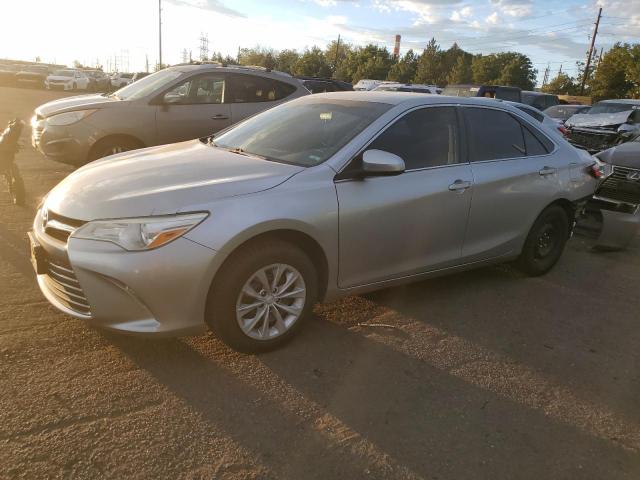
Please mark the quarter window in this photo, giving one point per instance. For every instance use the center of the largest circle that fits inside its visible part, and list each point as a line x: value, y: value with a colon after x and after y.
x: 493, y: 135
x: 423, y: 138
x: 254, y: 89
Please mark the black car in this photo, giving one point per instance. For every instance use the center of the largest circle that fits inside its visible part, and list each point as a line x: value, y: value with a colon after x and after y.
x: 323, y: 85
x: 98, y: 81
x: 32, y: 76
x: 562, y: 113
x: 501, y: 92
x: 540, y: 100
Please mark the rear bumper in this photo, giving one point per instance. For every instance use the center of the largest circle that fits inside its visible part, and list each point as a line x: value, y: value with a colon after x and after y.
x: 161, y: 292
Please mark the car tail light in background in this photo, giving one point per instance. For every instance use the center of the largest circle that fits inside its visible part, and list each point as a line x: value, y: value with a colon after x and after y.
x: 596, y: 170
x: 563, y: 130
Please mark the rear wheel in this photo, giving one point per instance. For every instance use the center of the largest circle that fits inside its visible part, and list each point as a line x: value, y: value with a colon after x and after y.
x: 545, y: 242
x: 261, y: 296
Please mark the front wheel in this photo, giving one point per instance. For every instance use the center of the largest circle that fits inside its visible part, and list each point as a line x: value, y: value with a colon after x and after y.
x: 261, y: 296
x: 545, y: 242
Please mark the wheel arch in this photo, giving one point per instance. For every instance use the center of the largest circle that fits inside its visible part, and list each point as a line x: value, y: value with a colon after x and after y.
x: 114, y: 136
x: 568, y: 206
x: 306, y: 242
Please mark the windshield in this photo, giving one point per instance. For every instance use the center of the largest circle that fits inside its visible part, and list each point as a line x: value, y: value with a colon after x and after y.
x: 607, y: 107
x: 461, y: 91
x: 147, y: 85
x: 304, y: 133
x: 64, y: 73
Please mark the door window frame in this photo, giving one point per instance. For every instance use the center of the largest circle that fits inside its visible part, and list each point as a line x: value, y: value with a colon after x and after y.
x: 461, y: 153
x: 157, y: 100
x: 524, y: 123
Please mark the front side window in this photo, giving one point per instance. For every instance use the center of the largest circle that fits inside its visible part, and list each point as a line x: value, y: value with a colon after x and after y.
x: 493, y: 135
x: 304, y: 133
x: 423, y: 138
x: 147, y: 86
x: 254, y: 89
x: 202, y: 89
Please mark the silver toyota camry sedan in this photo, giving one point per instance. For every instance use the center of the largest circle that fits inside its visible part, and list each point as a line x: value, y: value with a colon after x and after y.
x: 324, y: 196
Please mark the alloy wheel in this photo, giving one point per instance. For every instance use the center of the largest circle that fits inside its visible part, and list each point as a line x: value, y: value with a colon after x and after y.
x: 271, y: 301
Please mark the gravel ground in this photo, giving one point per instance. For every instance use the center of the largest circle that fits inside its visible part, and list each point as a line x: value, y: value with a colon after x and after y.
x: 481, y: 375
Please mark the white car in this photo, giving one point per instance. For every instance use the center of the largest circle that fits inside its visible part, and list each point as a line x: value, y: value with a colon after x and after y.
x: 366, y: 84
x: 119, y: 80
x: 68, y: 79
x: 408, y: 87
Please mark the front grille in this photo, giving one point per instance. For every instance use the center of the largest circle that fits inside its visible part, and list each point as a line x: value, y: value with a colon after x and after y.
x: 63, y: 284
x: 593, y: 139
x: 60, y: 227
x: 616, y: 187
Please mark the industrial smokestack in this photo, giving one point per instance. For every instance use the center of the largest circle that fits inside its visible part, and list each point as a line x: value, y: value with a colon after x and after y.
x: 396, y: 48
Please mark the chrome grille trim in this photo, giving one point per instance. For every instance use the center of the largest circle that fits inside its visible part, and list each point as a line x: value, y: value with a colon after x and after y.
x: 60, y: 227
x: 617, y: 188
x: 64, y: 286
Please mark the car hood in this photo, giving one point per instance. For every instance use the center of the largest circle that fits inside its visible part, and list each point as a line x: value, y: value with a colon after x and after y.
x: 625, y: 155
x: 598, y: 119
x: 80, y: 102
x: 162, y: 180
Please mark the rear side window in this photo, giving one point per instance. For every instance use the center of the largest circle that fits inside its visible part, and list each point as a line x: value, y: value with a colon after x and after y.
x: 493, y: 135
x: 254, y: 89
x: 531, y: 112
x: 532, y: 144
x: 423, y: 138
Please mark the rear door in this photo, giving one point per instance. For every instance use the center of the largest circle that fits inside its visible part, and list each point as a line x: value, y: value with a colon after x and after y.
x: 250, y: 94
x: 394, y: 226
x: 515, y: 177
x: 200, y: 107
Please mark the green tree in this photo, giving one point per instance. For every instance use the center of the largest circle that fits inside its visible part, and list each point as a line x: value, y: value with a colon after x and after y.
x: 461, y: 71
x: 312, y: 63
x: 430, y: 66
x: 257, y: 56
x: 404, y: 70
x: 563, y: 84
x: 367, y: 62
x: 506, y: 68
x: 614, y: 76
x: 336, y: 54
x: 286, y: 59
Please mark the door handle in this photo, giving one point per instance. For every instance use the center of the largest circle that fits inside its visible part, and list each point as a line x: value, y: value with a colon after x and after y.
x: 220, y: 116
x: 459, y: 186
x: 548, y: 171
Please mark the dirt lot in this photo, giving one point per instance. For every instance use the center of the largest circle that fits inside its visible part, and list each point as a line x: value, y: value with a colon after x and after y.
x: 483, y: 375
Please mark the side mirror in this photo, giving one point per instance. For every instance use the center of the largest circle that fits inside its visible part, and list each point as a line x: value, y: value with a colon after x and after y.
x: 172, y: 97
x: 379, y: 162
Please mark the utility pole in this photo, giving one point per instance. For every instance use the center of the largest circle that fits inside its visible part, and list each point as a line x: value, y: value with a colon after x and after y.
x: 546, y: 75
x: 593, y: 41
x: 335, y: 61
x: 560, y: 71
x: 159, y: 34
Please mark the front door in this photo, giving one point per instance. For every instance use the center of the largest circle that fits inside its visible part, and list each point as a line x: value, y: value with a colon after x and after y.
x: 401, y: 225
x: 195, y: 108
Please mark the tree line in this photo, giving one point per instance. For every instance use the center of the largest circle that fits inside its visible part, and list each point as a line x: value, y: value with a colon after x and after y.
x: 617, y: 75
x: 433, y: 66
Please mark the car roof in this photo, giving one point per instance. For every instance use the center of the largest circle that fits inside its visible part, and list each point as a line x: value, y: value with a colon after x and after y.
x: 540, y: 94
x: 629, y: 101
x: 410, y: 99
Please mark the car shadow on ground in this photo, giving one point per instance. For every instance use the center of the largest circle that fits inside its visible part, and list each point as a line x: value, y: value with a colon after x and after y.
x: 354, y: 401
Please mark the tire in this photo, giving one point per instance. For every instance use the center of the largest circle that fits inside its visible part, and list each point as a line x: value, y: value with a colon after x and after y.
x: 239, y: 274
x: 16, y: 186
x: 545, y: 242
x: 112, y: 146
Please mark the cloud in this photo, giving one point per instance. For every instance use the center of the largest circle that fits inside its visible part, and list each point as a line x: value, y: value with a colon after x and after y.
x: 326, y: 3
x: 514, y: 8
x: 211, y: 5
x: 464, y: 12
x: 492, y: 19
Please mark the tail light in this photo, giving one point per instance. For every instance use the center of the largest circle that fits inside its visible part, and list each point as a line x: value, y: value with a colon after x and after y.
x: 563, y: 130
x: 596, y: 170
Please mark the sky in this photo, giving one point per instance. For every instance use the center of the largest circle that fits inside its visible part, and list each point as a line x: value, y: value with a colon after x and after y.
x: 125, y: 32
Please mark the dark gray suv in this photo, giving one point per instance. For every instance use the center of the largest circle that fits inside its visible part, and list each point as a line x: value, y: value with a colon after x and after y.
x: 175, y: 104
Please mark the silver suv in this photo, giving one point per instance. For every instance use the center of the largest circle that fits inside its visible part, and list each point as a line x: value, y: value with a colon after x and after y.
x: 176, y: 104
x: 327, y: 195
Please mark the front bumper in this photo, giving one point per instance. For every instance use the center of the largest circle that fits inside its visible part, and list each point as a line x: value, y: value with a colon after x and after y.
x: 157, y: 292
x: 67, y: 144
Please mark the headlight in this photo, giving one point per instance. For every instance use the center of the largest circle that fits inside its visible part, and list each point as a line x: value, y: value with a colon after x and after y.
x: 144, y: 233
x: 68, y: 118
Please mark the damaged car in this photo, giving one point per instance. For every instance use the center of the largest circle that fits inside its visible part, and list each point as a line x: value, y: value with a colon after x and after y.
x: 607, y: 124
x: 613, y: 214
